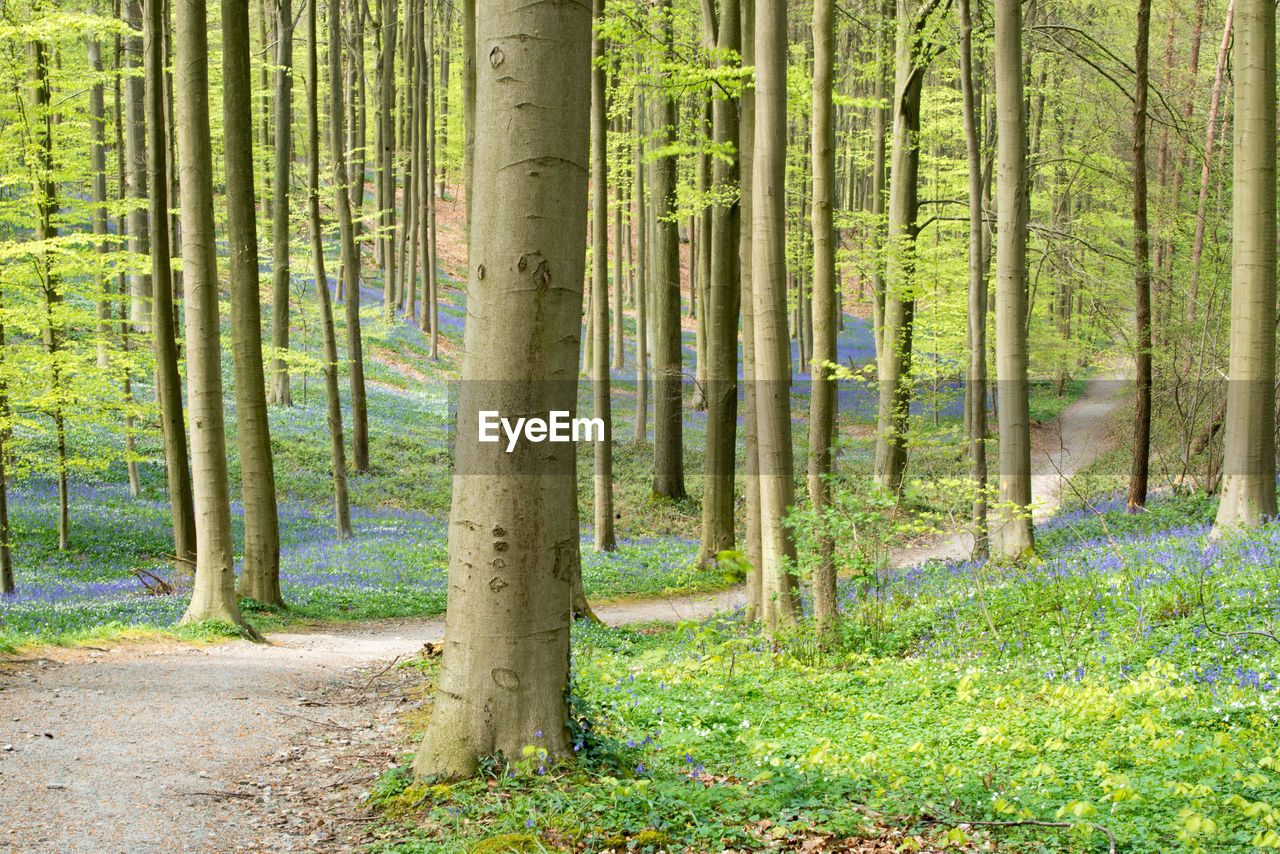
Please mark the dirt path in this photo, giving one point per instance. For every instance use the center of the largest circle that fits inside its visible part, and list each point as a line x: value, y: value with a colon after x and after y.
x: 265, y: 748
x: 1060, y: 448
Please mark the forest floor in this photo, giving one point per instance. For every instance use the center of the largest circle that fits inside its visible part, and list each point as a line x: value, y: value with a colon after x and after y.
x: 243, y: 747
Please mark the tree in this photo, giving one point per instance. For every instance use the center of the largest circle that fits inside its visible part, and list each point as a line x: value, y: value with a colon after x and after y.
x: 213, y: 597
x: 136, y: 164
x: 779, y: 594
x: 1249, y: 460
x: 280, y: 392
x: 260, y: 575
x: 1013, y: 536
x: 751, y: 546
x: 721, y: 304
x: 168, y: 380
x: 822, y: 393
x: 605, y: 540
x: 512, y: 529
x: 347, y: 240
x: 337, y: 449
x: 387, y: 154
x: 1137, y: 498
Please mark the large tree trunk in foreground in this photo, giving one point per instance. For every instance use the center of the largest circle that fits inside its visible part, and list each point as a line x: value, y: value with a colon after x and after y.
x: 1249, y: 460
x: 822, y: 396
x: 337, y: 450
x: 214, y: 595
x: 779, y: 587
x: 751, y: 547
x: 260, y: 574
x: 280, y: 392
x: 720, y: 307
x: 168, y: 380
x: 1142, y: 272
x: 513, y: 536
x: 1013, y: 536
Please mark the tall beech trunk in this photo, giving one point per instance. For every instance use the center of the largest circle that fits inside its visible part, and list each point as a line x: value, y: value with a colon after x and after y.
x: 387, y: 155
x: 260, y: 574
x: 751, y: 546
x: 602, y: 504
x: 641, y: 433
x: 779, y: 586
x: 976, y: 323
x: 347, y: 240
x: 1013, y: 536
x: 1249, y: 460
x: 168, y: 380
x: 337, y: 450
x: 822, y: 395
x: 280, y: 196
x: 668, y: 437
x: 98, y: 166
x: 213, y: 597
x: 1202, y: 207
x: 898, y: 315
x: 721, y: 301
x: 620, y: 239
x: 879, y: 173
x: 7, y: 585
x: 1137, y: 498
x: 513, y: 533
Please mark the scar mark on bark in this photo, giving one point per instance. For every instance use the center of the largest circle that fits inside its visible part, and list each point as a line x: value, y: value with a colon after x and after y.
x: 496, y: 584
x: 542, y: 276
x: 496, y: 56
x: 522, y: 263
x: 499, y: 563
x: 480, y: 272
x: 499, y: 531
x: 499, y: 545
x: 505, y: 679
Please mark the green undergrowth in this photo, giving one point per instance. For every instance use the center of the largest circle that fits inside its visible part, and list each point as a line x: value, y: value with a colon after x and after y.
x: 1092, y: 693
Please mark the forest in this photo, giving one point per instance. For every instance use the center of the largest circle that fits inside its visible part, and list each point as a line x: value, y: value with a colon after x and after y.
x: 638, y: 426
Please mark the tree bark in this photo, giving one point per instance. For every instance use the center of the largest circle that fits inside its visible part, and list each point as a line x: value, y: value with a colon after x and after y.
x: 605, y: 540
x: 1137, y: 498
x: 779, y: 587
x: 260, y: 573
x: 136, y: 164
x: 337, y: 450
x: 213, y: 597
x: 822, y: 395
x: 280, y: 392
x: 1249, y: 460
x: 387, y: 155
x: 1013, y: 536
x: 346, y: 237
x: 641, y: 433
x: 668, y: 437
x: 751, y: 547
x: 168, y: 380
x: 505, y: 671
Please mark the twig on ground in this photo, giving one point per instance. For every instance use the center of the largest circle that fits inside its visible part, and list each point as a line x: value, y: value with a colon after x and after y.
x: 379, y: 673
x: 329, y: 724
x: 224, y: 794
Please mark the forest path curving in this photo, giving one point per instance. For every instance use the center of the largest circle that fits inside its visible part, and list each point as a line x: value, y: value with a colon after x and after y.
x: 242, y: 747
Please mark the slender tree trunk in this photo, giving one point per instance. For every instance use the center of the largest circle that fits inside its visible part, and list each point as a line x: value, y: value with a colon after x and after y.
x: 721, y: 303
x: 446, y: 49
x: 898, y: 316
x: 1013, y: 537
x: 98, y: 165
x: 976, y: 385
x: 879, y: 174
x: 752, y: 546
x: 668, y: 441
x: 337, y: 451
x: 505, y: 688
x: 822, y: 396
x: 605, y: 539
x: 7, y: 585
x: 467, y: 9
x: 168, y: 380
x: 1142, y: 270
x: 779, y: 590
x: 619, y: 240
x: 429, y: 321
x: 641, y: 434
x: 280, y: 392
x: 1249, y: 460
x: 136, y: 163
x: 1202, y: 209
x: 346, y: 237
x: 387, y: 156
x: 260, y: 575
x: 213, y: 596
